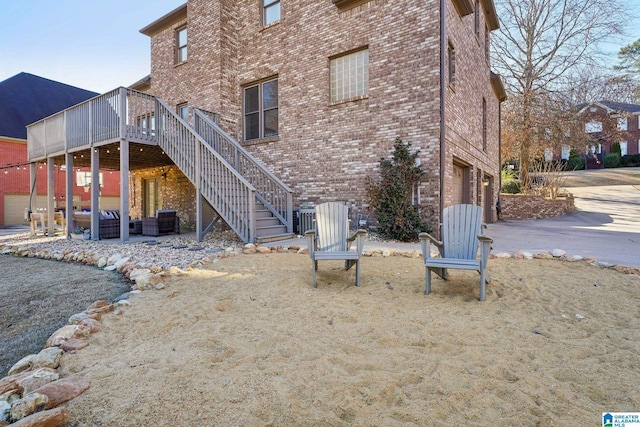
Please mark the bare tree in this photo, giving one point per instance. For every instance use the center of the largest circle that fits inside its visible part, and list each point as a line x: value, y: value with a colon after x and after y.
x: 538, y: 45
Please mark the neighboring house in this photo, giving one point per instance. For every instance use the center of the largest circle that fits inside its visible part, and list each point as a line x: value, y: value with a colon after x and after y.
x: 606, y: 123
x: 24, y: 99
x: 263, y: 107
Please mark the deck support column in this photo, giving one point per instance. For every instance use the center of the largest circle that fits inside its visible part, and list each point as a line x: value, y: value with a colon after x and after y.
x: 95, y: 194
x: 124, y: 190
x: 68, y: 160
x: 51, y: 195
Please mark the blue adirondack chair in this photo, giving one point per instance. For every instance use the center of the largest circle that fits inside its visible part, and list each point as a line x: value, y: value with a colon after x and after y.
x: 331, y: 240
x: 461, y: 232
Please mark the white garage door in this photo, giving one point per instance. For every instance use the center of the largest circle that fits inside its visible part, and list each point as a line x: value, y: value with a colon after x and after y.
x: 15, y: 204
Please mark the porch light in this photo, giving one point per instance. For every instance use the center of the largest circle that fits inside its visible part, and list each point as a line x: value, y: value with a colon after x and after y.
x: 485, y: 182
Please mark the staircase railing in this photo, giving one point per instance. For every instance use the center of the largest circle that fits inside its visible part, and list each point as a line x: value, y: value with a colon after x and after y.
x: 230, y: 194
x: 272, y: 192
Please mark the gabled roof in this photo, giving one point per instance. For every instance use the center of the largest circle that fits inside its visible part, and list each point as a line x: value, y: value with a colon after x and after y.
x: 176, y: 14
x: 25, y: 99
x: 621, y: 106
x: 612, y: 107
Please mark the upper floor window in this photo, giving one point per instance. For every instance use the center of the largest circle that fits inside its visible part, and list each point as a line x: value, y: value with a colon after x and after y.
x: 260, y: 115
x: 487, y: 44
x: 451, y: 63
x: 181, y: 45
x: 349, y: 76
x: 593, y: 126
x: 484, y: 124
x: 270, y: 11
x: 476, y: 18
x: 622, y: 123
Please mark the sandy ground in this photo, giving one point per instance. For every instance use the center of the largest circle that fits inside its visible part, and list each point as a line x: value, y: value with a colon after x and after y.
x: 249, y: 342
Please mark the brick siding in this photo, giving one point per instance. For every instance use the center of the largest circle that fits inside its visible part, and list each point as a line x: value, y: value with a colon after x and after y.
x: 520, y: 206
x: 324, y: 152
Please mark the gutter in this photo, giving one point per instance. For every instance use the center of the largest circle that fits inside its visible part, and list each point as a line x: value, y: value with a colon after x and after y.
x: 443, y: 157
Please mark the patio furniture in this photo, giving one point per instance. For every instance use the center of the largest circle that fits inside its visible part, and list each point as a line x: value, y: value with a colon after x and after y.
x: 461, y: 232
x: 166, y: 221
x: 135, y: 226
x: 108, y: 223
x: 331, y: 241
x: 39, y: 222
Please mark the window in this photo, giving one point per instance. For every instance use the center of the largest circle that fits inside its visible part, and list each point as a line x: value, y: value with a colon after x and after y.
x: 622, y: 123
x: 484, y: 124
x: 593, y: 127
x: 181, y: 45
x: 148, y: 124
x: 349, y: 76
x: 183, y: 111
x: 270, y: 11
x: 476, y: 19
x: 451, y: 61
x: 261, y: 110
x: 623, y: 148
x: 487, y: 44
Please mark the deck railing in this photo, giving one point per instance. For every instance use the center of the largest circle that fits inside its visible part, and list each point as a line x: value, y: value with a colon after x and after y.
x: 95, y: 121
x: 272, y: 192
x: 230, y: 194
x: 215, y: 165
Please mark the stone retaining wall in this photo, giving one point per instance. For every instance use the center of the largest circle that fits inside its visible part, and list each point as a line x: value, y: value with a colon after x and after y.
x: 533, y: 206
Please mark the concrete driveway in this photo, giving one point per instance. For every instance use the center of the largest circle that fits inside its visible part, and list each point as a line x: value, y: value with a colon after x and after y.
x: 604, y: 226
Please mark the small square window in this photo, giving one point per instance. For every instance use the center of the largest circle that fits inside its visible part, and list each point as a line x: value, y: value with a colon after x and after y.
x: 349, y: 76
x: 181, y: 45
x: 270, y: 11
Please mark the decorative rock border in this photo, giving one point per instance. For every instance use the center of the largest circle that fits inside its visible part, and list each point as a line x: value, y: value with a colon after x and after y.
x: 32, y: 392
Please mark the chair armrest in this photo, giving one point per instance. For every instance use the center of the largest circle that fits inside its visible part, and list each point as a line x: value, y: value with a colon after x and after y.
x: 311, y: 241
x: 485, y: 249
x: 426, y: 236
x: 425, y: 243
x: 356, y: 234
x: 359, y: 235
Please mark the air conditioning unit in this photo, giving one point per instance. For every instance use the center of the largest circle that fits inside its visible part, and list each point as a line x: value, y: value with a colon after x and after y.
x: 306, y: 218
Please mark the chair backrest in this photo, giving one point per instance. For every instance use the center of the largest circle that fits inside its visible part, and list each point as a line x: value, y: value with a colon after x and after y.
x: 166, y: 213
x: 461, y: 225
x: 332, y: 226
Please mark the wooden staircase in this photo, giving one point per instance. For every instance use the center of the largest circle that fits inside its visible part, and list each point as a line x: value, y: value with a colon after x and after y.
x: 247, y: 196
x: 242, y: 191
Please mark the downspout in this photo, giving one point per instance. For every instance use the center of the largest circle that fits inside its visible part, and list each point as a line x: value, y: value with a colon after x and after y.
x: 499, y: 158
x: 443, y: 156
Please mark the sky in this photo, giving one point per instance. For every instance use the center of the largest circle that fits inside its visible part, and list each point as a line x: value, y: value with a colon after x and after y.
x: 97, y: 45
x: 91, y: 44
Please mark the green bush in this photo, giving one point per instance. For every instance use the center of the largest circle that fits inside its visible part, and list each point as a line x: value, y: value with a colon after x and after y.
x: 612, y: 160
x: 391, y: 198
x: 615, y: 148
x: 510, y: 186
x: 630, y: 160
x: 575, y: 164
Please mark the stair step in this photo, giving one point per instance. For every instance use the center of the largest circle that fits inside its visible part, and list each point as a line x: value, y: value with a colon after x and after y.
x: 267, y: 221
x: 270, y: 229
x: 275, y: 238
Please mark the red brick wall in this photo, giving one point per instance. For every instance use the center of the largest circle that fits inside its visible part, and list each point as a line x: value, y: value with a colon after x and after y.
x: 16, y: 181
x: 519, y: 206
x: 323, y: 151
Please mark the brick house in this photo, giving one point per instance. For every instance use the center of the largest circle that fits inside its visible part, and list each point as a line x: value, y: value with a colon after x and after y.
x: 300, y: 101
x: 25, y: 98
x: 606, y: 123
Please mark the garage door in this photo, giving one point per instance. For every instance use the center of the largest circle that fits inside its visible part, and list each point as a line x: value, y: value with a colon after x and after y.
x: 15, y: 204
